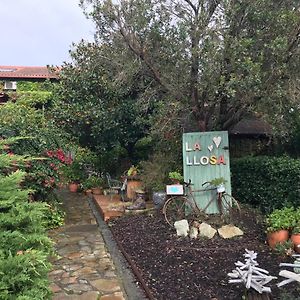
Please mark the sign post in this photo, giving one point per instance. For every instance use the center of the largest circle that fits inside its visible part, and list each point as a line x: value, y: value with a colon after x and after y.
x: 206, y: 157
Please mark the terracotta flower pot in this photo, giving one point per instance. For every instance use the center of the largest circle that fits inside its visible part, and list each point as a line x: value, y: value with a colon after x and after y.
x: 175, y: 181
x: 73, y: 187
x: 295, y: 238
x: 277, y: 237
x: 134, y: 173
x: 97, y: 191
x: 88, y: 192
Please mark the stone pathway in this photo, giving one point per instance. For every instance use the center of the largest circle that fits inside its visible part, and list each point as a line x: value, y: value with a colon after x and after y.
x: 83, y: 268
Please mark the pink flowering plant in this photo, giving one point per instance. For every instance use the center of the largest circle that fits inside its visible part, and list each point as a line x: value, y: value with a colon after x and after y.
x: 44, y: 174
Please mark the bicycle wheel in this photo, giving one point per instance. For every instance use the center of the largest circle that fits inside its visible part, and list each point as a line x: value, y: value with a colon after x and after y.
x: 177, y: 208
x: 230, y: 206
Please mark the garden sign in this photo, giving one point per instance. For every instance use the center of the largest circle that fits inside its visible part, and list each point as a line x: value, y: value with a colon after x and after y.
x: 206, y: 157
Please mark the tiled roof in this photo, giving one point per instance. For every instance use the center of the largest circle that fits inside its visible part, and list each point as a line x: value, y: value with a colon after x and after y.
x: 19, y: 72
x: 251, y: 126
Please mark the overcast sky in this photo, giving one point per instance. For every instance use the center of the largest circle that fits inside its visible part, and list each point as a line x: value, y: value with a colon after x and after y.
x: 40, y: 32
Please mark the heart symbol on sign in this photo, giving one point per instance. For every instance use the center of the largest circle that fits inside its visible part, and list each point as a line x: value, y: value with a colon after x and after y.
x: 210, y: 147
x: 217, y: 140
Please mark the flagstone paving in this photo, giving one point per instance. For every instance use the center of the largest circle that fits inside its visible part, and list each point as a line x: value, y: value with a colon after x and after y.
x: 83, y: 268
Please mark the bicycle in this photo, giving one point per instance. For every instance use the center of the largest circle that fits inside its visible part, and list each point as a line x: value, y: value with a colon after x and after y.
x: 180, y: 207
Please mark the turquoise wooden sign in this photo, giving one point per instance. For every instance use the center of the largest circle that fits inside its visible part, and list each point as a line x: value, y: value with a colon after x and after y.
x: 206, y: 157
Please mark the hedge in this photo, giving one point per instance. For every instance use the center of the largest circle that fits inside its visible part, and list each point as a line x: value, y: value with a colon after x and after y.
x: 266, y: 182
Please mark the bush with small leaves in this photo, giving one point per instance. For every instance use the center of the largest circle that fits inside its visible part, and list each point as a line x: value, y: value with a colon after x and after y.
x: 266, y: 182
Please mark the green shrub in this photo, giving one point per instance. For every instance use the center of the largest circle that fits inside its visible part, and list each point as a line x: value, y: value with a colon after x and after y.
x: 24, y: 245
x: 73, y: 172
x: 24, y: 275
x: 15, y: 241
x: 23, y: 118
x: 281, y: 219
x: 154, y: 172
x: 92, y: 182
x: 285, y: 248
x: 266, y: 182
x: 55, y: 216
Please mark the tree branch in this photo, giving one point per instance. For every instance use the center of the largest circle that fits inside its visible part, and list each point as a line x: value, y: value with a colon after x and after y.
x: 138, y: 50
x: 195, y: 9
x: 294, y: 43
x: 209, y: 13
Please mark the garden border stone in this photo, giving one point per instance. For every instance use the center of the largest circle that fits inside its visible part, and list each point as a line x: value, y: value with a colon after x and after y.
x: 132, y: 290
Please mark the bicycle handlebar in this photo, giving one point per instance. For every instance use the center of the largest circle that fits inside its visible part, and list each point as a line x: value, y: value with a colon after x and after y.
x: 187, y: 184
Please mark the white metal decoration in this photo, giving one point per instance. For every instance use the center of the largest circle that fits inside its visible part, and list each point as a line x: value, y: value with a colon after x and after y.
x: 249, y: 274
x: 289, y: 275
x: 210, y: 148
x: 217, y: 140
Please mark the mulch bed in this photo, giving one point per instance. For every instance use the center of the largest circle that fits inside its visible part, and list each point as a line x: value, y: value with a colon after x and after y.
x: 181, y: 268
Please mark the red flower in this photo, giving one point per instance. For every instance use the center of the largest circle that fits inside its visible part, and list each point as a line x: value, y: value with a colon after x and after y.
x: 49, y: 153
x: 68, y: 160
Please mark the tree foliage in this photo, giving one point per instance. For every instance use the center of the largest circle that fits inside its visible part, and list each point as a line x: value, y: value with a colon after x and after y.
x: 99, y: 104
x: 214, y: 61
x: 27, y: 116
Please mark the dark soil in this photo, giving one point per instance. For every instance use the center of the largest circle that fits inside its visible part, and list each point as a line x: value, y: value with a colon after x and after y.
x: 181, y: 268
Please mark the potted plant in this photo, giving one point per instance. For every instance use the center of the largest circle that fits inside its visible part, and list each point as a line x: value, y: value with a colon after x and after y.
x: 284, y: 248
x: 175, y: 177
x: 219, y: 183
x: 295, y: 236
x: 96, y: 184
x: 73, y: 175
x: 279, y: 222
x: 92, y: 182
x: 132, y: 171
x: 133, y: 182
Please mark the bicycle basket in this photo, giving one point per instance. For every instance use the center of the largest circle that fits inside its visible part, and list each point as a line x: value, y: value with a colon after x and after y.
x: 175, y: 189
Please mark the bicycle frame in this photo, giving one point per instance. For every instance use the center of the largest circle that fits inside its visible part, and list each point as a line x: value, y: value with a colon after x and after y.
x: 189, y: 193
x: 180, y: 206
x: 219, y: 196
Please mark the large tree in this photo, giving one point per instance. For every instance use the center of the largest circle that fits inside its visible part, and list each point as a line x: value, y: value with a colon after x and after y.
x: 97, y: 101
x: 211, y: 61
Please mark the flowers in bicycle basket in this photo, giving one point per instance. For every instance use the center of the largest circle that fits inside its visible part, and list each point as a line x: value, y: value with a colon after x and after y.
x: 218, y: 183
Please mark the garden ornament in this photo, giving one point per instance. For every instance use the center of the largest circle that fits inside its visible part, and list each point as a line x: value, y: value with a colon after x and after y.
x: 250, y: 274
x: 289, y: 275
x: 139, y: 204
